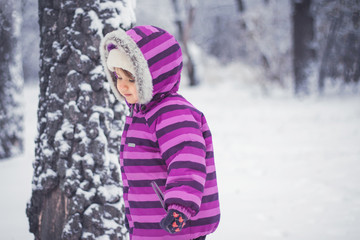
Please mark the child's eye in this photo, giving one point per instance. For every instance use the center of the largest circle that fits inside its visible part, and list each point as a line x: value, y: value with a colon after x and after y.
x: 132, y: 80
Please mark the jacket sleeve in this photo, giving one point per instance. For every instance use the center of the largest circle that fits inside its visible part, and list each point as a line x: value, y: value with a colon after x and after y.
x: 182, y: 147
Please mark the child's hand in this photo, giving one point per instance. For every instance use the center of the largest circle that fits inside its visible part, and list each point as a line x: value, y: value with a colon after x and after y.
x: 174, y: 221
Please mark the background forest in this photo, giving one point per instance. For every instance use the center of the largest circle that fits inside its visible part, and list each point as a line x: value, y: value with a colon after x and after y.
x: 278, y: 81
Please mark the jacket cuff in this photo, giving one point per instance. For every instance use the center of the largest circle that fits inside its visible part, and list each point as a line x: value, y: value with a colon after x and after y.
x: 186, y: 211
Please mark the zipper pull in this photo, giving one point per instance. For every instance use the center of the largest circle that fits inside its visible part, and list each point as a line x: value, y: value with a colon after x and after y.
x: 132, y: 110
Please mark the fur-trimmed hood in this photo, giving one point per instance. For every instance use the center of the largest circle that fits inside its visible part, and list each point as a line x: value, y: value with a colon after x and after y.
x: 155, y: 56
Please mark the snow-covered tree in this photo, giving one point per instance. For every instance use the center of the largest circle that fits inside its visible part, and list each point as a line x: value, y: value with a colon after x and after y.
x: 11, y: 80
x: 76, y: 184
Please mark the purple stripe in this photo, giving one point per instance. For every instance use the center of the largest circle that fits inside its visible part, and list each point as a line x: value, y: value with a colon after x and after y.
x: 167, y: 109
x: 165, y: 60
x: 144, y: 162
x: 210, y: 198
x: 172, y: 127
x: 155, y: 42
x: 172, y: 151
x: 148, y: 39
x: 140, y: 33
x: 209, y: 155
x: 206, y: 134
x: 147, y: 225
x: 172, y: 72
x: 167, y: 67
x: 161, y: 44
x: 211, y: 176
x: 146, y: 183
x: 193, y: 184
x: 172, y: 49
x: 188, y: 165
x: 145, y: 204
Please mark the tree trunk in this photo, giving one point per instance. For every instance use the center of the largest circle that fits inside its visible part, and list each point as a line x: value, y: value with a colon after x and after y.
x: 11, y: 80
x: 303, y: 35
x: 324, y: 64
x: 76, y: 184
x: 184, y: 22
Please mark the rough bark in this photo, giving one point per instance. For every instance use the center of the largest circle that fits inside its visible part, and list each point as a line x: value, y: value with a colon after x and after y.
x: 76, y: 185
x: 11, y: 80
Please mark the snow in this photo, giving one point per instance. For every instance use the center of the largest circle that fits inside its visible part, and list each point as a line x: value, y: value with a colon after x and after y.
x: 287, y: 168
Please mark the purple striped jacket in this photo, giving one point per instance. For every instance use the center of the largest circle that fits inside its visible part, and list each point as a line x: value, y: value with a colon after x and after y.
x: 166, y: 140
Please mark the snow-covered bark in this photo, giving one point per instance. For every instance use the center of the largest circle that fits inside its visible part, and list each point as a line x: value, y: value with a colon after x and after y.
x: 76, y: 183
x: 11, y: 80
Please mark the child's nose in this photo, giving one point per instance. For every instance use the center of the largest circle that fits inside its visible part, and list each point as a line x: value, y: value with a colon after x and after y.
x: 123, y: 85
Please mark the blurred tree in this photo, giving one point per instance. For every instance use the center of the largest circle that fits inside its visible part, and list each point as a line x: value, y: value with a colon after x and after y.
x: 76, y: 185
x: 11, y: 80
x: 303, y: 51
x: 30, y: 40
x: 340, y: 58
x: 184, y: 19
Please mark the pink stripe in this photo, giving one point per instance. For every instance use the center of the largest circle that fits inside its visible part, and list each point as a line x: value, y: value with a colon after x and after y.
x: 157, y: 41
x: 210, y: 169
x: 150, y: 219
x: 147, y: 211
x: 174, y: 119
x: 167, y: 67
x: 206, y: 213
x: 159, y: 48
x: 143, y: 197
x: 147, y: 176
x: 146, y: 31
x: 181, y: 132
x: 165, y: 85
x: 210, y: 190
x: 151, y: 28
x: 183, y: 195
x: 142, y: 155
x: 145, y: 169
x: 144, y: 135
x: 189, y: 157
x: 145, y: 190
x: 171, y: 58
x: 134, y: 35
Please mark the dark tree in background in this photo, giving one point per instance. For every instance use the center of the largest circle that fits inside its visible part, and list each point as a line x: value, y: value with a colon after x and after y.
x: 303, y: 36
x: 339, y: 42
x: 11, y: 80
x: 184, y: 20
x: 76, y: 185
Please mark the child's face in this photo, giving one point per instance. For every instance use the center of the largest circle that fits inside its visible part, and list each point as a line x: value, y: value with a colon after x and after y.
x: 126, y: 86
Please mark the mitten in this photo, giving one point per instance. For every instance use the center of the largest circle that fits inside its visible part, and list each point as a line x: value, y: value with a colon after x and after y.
x: 174, y: 221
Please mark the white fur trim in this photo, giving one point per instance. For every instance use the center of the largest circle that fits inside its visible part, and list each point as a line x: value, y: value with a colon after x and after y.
x: 143, y: 79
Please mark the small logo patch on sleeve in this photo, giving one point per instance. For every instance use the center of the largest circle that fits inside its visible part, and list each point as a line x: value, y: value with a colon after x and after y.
x: 131, y: 144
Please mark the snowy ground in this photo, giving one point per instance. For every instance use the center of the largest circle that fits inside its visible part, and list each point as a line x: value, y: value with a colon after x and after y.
x: 287, y: 168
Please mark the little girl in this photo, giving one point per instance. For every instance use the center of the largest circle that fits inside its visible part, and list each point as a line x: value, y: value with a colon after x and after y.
x: 166, y: 154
